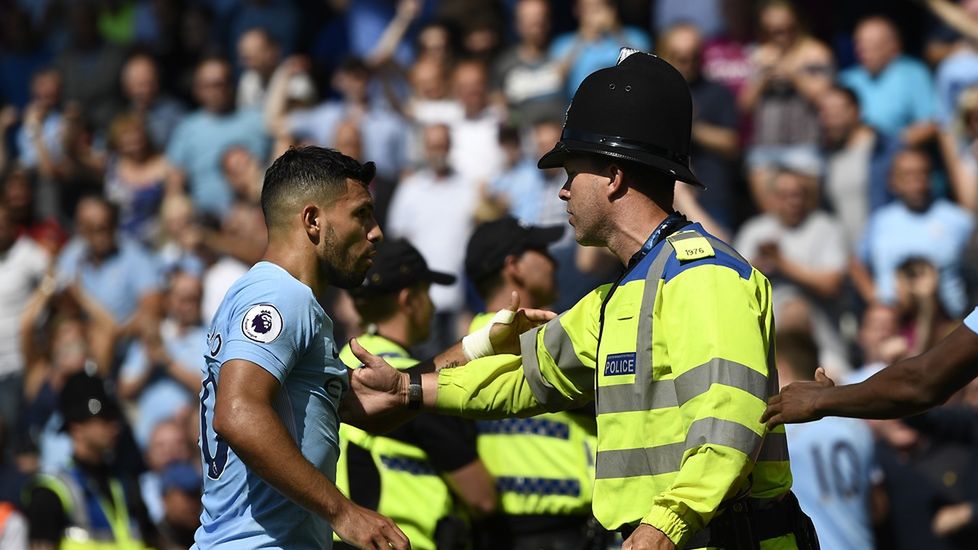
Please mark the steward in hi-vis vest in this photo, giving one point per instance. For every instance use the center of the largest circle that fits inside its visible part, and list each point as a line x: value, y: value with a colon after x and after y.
x: 677, y: 354
x: 88, y: 505
x: 543, y: 466
x: 414, y: 473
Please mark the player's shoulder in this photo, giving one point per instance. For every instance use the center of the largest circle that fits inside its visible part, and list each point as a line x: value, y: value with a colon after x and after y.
x: 694, y: 247
x: 267, y: 284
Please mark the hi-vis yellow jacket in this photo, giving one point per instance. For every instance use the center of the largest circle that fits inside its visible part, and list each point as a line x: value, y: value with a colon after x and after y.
x: 542, y: 465
x: 678, y: 355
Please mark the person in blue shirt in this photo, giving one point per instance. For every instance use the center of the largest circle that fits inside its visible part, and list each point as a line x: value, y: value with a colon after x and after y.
x: 896, y: 91
x: 273, y: 384
x: 832, y: 460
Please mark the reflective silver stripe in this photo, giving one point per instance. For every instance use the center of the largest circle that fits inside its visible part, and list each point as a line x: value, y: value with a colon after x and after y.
x: 642, y: 394
x: 698, y: 380
x: 671, y: 393
x: 639, y: 462
x: 561, y: 349
x: 668, y: 458
x: 726, y: 248
x: 715, y: 431
x: 683, y: 235
x: 774, y: 448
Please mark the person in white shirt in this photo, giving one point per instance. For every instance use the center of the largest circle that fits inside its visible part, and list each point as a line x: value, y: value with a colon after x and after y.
x: 434, y: 208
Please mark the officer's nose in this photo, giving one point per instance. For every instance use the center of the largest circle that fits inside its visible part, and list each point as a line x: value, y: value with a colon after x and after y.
x: 564, y: 193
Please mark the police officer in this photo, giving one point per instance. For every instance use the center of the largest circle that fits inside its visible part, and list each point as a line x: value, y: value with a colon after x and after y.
x: 88, y: 505
x: 542, y: 466
x: 412, y: 474
x: 677, y: 353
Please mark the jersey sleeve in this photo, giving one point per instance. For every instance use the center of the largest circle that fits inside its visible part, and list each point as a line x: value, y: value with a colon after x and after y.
x: 971, y: 321
x: 718, y: 325
x: 271, y: 330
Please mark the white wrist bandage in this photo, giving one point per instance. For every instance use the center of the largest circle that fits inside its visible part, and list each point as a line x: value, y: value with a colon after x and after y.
x: 477, y: 344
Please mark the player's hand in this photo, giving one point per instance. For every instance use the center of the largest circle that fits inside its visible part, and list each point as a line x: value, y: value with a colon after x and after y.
x: 797, y: 402
x: 376, y: 387
x: 505, y: 338
x: 365, y: 528
x: 647, y: 537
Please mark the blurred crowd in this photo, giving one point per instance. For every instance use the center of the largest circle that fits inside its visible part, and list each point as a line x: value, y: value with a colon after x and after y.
x: 838, y: 142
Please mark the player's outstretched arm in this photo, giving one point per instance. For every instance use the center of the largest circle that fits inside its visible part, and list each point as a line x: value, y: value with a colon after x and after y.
x: 244, y: 417
x: 904, y: 388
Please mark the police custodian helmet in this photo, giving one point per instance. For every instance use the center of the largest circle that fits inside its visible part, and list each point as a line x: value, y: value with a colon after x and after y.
x: 639, y: 110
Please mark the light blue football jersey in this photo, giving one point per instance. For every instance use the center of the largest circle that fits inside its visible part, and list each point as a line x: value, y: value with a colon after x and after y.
x: 832, y: 465
x: 971, y: 321
x: 269, y: 318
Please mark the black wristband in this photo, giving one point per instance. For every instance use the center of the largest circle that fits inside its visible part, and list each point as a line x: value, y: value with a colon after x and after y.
x: 415, y: 395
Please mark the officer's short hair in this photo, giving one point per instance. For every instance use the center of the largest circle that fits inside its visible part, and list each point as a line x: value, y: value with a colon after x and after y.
x: 653, y: 182
x: 380, y: 307
x: 302, y: 173
x: 799, y: 350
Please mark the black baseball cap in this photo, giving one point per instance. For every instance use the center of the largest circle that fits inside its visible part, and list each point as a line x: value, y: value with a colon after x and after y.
x: 493, y: 241
x: 83, y: 397
x: 397, y: 265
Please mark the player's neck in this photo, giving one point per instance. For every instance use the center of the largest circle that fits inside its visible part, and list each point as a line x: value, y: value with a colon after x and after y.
x: 300, y: 264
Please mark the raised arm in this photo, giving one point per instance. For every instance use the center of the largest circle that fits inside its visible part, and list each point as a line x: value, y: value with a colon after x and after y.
x: 907, y: 387
x: 245, y: 417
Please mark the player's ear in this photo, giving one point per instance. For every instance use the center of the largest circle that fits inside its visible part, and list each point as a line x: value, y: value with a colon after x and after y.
x: 312, y: 221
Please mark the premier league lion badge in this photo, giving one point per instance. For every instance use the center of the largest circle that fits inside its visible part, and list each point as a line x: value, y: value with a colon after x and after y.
x: 262, y: 323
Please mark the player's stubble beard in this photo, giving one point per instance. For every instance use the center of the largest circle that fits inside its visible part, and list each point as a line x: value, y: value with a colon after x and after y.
x: 339, y: 266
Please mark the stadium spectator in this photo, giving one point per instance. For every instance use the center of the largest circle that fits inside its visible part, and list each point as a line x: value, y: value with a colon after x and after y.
x: 160, y: 373
x: 879, y: 339
x: 959, y: 68
x: 279, y: 18
x: 135, y: 178
x: 923, y: 321
x: 896, y: 92
x: 259, y: 56
x: 383, y: 131
x: 177, y: 245
x: 79, y: 170
x: 475, y: 153
x: 141, y: 89
x: 726, y: 57
x: 42, y: 120
x: 790, y: 70
x: 528, y: 77
x: 167, y: 445
x: 803, y: 251
x: 832, y: 460
x: 89, y: 66
x: 117, y: 272
x: 595, y: 43
x: 434, y: 209
x: 715, y: 141
x: 29, y: 217
x: 857, y: 161
x: 181, y: 485
x: 23, y: 55
x: 917, y: 224
x: 23, y: 264
x: 959, y: 145
x: 197, y: 144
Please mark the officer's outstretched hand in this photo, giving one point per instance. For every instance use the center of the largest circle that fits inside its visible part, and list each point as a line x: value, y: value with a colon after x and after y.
x: 647, y: 537
x: 377, y: 390
x: 798, y: 401
x: 365, y: 528
x: 505, y: 337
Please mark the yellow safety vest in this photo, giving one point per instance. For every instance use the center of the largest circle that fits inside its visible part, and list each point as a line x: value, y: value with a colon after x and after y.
x: 123, y: 533
x: 412, y: 493
x: 678, y: 356
x: 543, y: 465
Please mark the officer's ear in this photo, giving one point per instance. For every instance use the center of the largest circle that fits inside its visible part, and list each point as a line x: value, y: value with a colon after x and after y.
x: 404, y: 298
x: 616, y: 181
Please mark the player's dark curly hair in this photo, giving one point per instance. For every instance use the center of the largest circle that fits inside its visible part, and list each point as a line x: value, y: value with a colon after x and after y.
x: 304, y: 172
